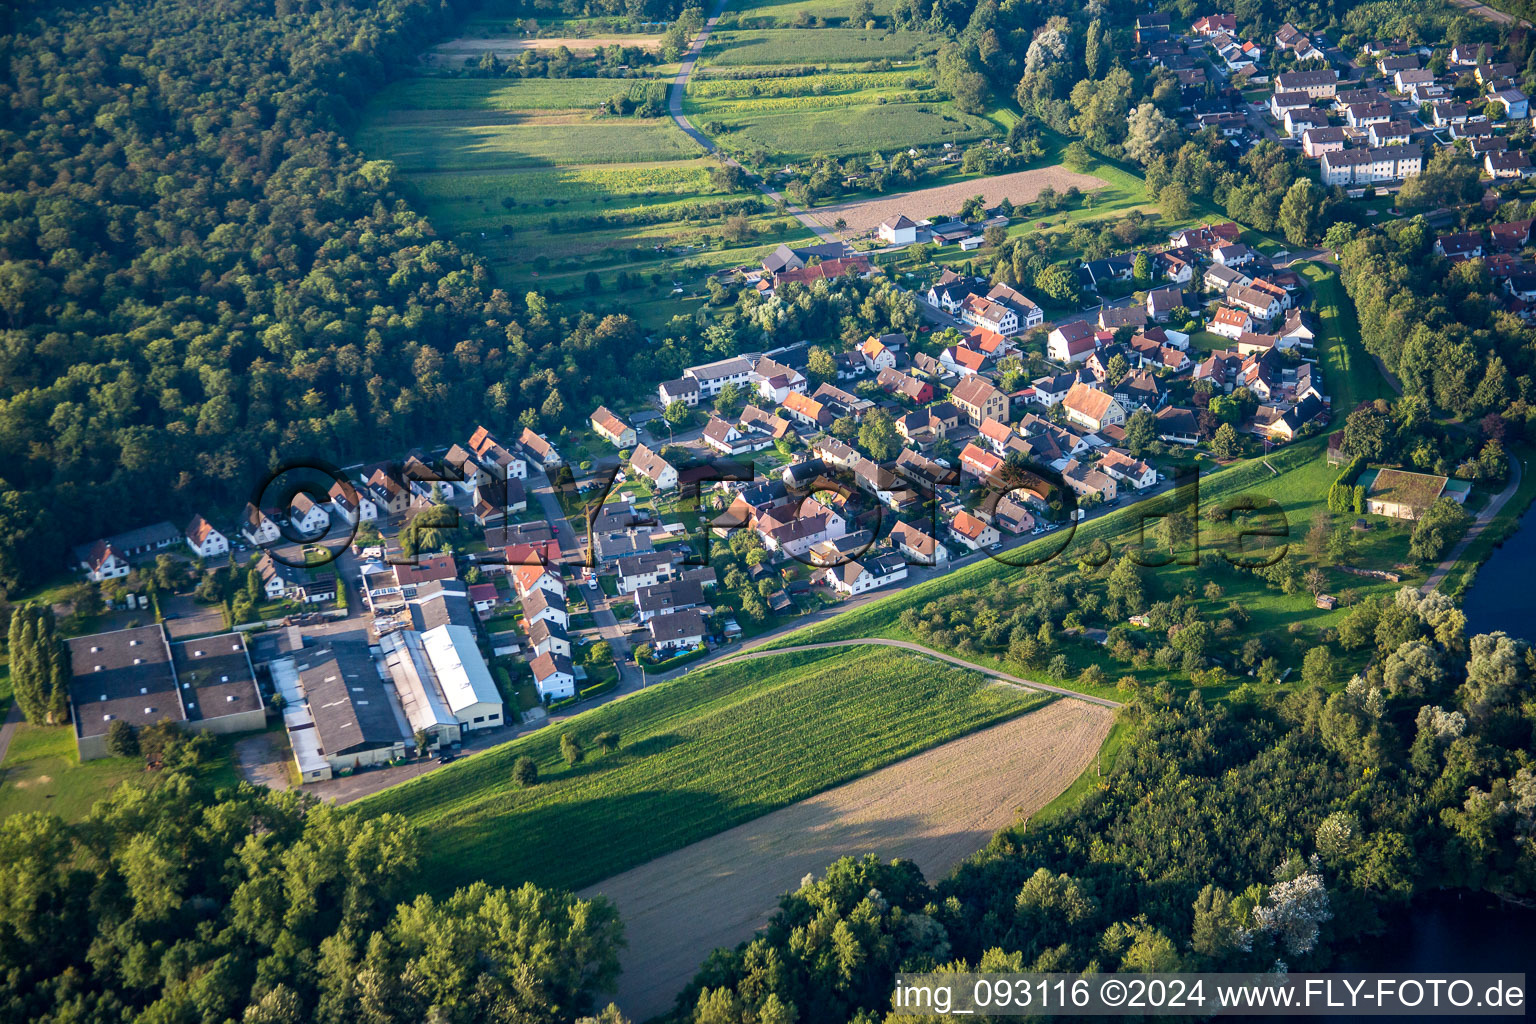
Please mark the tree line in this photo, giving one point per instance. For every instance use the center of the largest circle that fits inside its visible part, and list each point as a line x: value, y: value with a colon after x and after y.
x: 176, y: 902
x: 1278, y: 826
x: 199, y: 276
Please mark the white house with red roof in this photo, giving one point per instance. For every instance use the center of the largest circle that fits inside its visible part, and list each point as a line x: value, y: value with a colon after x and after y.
x: 204, y: 540
x: 1071, y: 343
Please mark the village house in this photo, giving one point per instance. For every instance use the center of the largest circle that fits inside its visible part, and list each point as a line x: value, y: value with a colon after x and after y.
x: 971, y: 532
x: 1319, y: 85
x: 1163, y: 301
x: 547, y: 636
x: 554, y: 676
x: 1091, y: 408
x: 774, y: 381
x: 729, y: 439
x: 308, y: 516
x: 1089, y: 483
x: 1176, y: 425
x: 1402, y: 494
x: 669, y: 596
x: 713, y: 377
x: 1126, y: 316
x: 612, y: 429
x: 257, y: 527
x: 916, y: 546
x: 978, y: 401
x: 496, y: 500
x: 538, y: 448
x: 978, y: 462
x: 677, y: 631
x: 871, y: 572
x: 684, y: 389
x: 899, y: 230
x: 351, y: 504
x: 1229, y: 322
x: 1126, y: 469
x: 1071, y: 343
x: 1328, y: 139
x: 878, y: 353
x: 204, y: 540
x: 1512, y: 164
x: 897, y: 383
x: 648, y: 464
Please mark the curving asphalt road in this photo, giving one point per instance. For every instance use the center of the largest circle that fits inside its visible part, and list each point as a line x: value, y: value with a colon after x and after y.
x: 1478, y: 525
x: 907, y: 645
x: 675, y: 108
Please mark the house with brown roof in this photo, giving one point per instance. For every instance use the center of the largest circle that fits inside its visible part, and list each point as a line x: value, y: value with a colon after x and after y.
x: 612, y: 429
x: 1089, y: 483
x: 978, y: 462
x: 204, y: 540
x: 1091, y: 408
x: 979, y: 401
x: 538, y: 448
x: 257, y: 527
x: 897, y: 383
x: 916, y: 546
x: 972, y: 532
x: 650, y: 465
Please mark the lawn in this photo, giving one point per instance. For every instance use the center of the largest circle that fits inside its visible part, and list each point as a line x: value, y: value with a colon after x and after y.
x: 500, y: 93
x: 42, y: 772
x: 699, y: 754
x: 797, y: 134
x: 1350, y: 374
x: 767, y: 47
x: 425, y: 141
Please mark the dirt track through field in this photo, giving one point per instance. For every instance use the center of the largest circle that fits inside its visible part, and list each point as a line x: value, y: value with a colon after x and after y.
x: 1018, y: 187
x: 935, y: 808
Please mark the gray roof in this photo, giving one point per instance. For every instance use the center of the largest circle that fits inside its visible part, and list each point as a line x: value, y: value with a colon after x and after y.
x: 125, y: 674
x: 347, y: 698
x: 681, y: 625
x: 216, y: 676
x: 669, y: 594
x: 441, y: 603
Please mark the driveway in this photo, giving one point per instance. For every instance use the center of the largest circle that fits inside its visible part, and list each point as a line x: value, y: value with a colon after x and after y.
x: 263, y: 760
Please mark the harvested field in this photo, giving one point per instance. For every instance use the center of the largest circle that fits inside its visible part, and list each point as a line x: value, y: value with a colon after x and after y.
x: 1017, y: 187
x: 935, y: 808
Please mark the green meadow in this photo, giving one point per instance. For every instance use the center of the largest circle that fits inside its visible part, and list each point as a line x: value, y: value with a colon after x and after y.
x: 697, y: 755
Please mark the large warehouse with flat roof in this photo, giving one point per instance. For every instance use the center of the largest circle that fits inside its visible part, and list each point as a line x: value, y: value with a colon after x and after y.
x: 137, y: 676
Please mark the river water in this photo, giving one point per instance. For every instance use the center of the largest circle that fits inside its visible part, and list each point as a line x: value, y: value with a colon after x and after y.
x: 1447, y: 932
x: 1502, y: 596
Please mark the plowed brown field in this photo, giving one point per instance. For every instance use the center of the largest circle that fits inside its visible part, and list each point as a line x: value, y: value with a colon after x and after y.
x: 935, y: 808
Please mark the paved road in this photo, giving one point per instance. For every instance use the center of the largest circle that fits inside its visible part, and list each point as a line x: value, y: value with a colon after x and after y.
x: 1487, y: 13
x: 572, y: 544
x: 1483, y: 519
x: 906, y: 645
x: 8, y: 730
x: 675, y: 108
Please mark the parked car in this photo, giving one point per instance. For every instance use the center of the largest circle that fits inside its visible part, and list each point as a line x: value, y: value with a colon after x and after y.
x: 445, y: 758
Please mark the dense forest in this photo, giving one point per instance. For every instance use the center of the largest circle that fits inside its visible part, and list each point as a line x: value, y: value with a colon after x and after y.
x: 198, y: 275
x: 1439, y: 326
x: 175, y: 903
x: 1270, y: 827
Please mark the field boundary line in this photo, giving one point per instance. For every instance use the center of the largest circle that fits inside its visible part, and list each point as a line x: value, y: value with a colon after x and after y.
x: 907, y: 645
